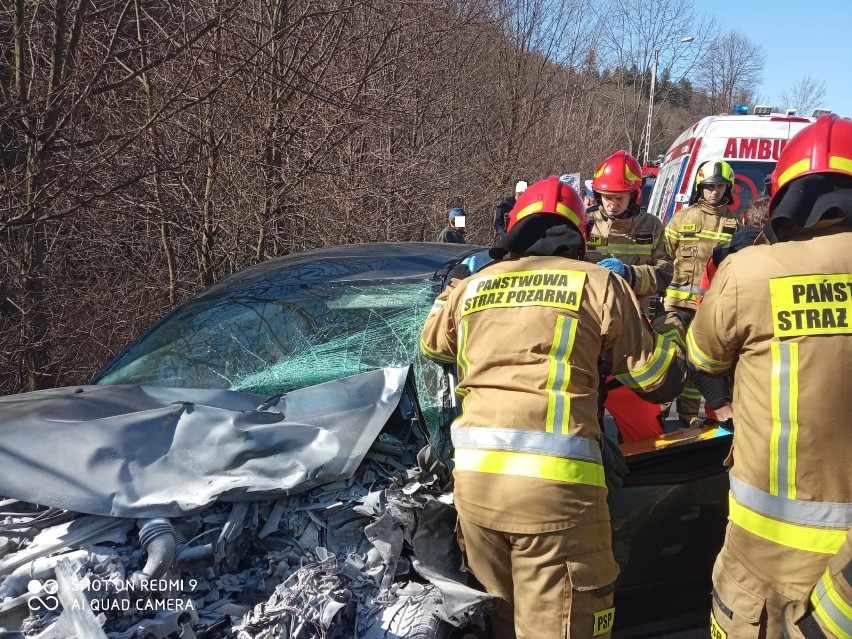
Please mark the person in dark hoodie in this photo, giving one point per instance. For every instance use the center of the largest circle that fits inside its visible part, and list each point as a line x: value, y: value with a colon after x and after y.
x: 527, y: 333
x: 503, y: 209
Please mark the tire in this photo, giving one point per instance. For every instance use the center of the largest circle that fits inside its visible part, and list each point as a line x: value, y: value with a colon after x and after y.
x: 410, y: 617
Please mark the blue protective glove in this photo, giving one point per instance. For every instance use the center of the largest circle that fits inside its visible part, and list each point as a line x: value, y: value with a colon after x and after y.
x: 615, y: 265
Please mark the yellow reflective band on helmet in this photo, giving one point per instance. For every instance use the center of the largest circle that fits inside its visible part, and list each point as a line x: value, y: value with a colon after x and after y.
x: 630, y: 175
x: 600, y: 170
x: 840, y: 163
x: 820, y: 540
x: 561, y: 209
x: 830, y: 608
x: 535, y: 207
x: 497, y: 462
x: 794, y: 171
x: 558, y: 399
x: 784, y: 397
x: 564, y: 211
x: 435, y: 355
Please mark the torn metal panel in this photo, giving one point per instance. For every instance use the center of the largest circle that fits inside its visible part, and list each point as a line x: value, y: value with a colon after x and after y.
x: 127, y: 451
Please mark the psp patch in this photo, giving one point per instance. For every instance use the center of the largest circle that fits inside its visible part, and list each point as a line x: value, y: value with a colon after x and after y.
x: 688, y: 227
x: 604, y: 621
x: 715, y: 631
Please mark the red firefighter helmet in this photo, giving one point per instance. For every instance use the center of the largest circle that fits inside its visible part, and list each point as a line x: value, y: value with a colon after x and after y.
x: 619, y: 173
x: 822, y: 147
x: 550, y: 197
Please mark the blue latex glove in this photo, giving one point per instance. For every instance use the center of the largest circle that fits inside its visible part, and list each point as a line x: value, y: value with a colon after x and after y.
x: 615, y: 265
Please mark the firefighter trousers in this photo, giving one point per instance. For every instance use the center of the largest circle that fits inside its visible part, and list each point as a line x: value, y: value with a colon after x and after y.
x: 743, y: 606
x: 674, y: 324
x: 545, y: 592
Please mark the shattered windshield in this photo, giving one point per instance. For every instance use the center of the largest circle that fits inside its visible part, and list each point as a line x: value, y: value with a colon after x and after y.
x: 272, y: 340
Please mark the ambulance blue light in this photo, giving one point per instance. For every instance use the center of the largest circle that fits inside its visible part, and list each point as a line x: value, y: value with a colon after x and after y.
x: 739, y: 109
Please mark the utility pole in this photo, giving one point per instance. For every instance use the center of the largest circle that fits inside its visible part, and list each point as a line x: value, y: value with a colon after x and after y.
x: 647, y: 149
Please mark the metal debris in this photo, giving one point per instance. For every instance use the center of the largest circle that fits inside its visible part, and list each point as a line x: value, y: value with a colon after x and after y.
x: 360, y: 557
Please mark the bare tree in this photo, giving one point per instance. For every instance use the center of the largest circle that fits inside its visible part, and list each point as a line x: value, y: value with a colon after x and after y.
x: 805, y: 95
x: 732, y: 68
x: 633, y: 34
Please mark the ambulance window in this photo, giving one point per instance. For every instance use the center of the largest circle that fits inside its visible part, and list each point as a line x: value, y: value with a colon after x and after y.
x: 748, y: 186
x: 665, y: 189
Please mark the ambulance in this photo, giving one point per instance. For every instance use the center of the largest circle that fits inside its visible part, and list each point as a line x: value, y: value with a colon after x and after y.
x: 750, y: 143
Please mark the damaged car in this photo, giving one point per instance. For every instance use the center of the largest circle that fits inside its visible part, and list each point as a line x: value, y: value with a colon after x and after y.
x: 272, y: 459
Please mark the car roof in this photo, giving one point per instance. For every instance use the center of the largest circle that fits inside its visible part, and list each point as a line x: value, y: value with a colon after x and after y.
x: 378, y: 260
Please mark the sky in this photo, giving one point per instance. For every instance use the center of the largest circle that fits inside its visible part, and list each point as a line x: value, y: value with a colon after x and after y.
x: 799, y: 38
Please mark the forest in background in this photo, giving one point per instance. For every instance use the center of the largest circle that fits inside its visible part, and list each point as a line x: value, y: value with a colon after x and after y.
x: 149, y: 148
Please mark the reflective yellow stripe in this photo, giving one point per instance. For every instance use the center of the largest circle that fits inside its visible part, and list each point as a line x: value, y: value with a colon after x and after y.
x: 435, y: 355
x: 841, y: 163
x: 571, y: 471
x: 715, y: 236
x: 822, y: 540
x: 630, y: 249
x: 700, y: 359
x: 793, y: 171
x: 829, y: 606
x: 793, y: 418
x: 463, y: 361
x: 690, y: 392
x: 681, y: 295
x: 558, y: 399
x: 784, y: 396
x: 656, y: 367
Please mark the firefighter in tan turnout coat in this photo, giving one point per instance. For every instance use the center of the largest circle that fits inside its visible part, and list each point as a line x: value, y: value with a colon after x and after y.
x: 782, y: 313
x: 526, y: 334
x: 623, y: 239
x: 691, y: 236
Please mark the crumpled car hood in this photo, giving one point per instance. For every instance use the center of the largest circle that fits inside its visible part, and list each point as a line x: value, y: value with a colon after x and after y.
x: 135, y: 451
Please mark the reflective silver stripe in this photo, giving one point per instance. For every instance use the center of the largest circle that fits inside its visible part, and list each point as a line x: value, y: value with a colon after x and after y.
x: 527, y: 441
x: 557, y: 418
x: 784, y: 421
x: 825, y: 607
x: 825, y: 514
